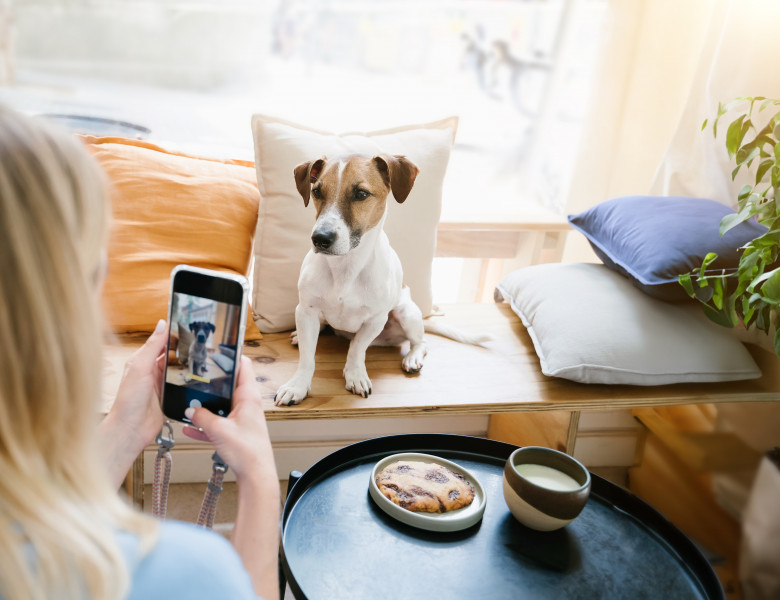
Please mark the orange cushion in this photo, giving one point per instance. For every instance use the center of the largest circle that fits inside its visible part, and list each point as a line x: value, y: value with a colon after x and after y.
x: 168, y: 209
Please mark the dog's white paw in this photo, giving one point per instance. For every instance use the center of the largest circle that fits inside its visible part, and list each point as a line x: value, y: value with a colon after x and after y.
x: 294, y: 337
x: 291, y: 393
x: 357, y: 380
x: 413, y: 361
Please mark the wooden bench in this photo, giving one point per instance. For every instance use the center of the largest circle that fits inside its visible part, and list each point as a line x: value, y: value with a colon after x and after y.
x: 458, y: 379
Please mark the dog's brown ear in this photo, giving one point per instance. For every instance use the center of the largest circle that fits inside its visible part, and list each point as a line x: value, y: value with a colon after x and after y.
x: 399, y: 174
x: 306, y: 174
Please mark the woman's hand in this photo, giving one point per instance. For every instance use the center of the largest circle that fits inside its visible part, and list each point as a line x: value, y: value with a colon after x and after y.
x: 135, y: 417
x: 241, y: 439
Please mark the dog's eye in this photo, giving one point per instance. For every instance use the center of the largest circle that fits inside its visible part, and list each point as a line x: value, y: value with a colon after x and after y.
x: 361, y: 194
x: 316, y: 193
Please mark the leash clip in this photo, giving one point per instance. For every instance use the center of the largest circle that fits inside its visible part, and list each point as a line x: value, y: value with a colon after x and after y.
x: 219, y: 466
x: 165, y: 442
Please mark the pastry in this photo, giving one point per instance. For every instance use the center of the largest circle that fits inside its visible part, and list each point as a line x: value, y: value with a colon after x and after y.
x: 424, y: 487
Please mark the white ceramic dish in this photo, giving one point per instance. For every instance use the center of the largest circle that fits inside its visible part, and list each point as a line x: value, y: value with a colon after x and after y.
x: 453, y: 520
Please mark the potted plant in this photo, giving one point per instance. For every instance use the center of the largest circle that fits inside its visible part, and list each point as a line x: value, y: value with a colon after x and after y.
x: 749, y: 296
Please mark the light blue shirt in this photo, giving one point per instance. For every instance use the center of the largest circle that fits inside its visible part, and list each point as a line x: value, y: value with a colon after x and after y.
x: 187, y: 562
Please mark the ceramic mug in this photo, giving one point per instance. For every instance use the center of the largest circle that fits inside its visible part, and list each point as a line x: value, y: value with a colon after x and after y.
x: 545, y: 489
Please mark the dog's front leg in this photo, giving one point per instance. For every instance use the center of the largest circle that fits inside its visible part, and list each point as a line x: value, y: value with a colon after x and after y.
x: 355, y: 373
x: 307, y: 322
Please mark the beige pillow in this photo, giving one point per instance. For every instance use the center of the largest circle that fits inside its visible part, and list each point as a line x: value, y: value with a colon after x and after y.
x: 284, y: 226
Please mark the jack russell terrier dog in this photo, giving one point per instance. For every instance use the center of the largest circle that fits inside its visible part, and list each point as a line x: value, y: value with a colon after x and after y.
x: 198, y: 350
x: 351, y: 279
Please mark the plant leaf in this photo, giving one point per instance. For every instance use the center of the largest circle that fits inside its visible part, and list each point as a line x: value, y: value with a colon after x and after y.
x: 718, y: 316
x: 753, y: 100
x: 721, y: 111
x: 731, y: 308
x: 703, y: 293
x: 762, y: 319
x: 717, y: 294
x: 763, y: 167
x: 754, y: 152
x: 747, y: 312
x: 734, y: 135
x: 709, y: 258
x: 685, y: 281
x: 732, y: 220
x: 777, y: 340
x: 771, y: 288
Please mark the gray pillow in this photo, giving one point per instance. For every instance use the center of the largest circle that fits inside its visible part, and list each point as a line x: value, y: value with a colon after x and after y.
x: 590, y: 324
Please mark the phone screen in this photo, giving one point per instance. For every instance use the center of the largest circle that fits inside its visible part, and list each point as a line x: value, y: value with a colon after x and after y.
x: 205, y: 341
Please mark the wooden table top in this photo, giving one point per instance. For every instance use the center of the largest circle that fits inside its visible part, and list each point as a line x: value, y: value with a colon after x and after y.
x: 457, y: 379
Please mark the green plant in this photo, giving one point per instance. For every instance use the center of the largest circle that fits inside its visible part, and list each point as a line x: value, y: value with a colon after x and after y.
x: 751, y: 294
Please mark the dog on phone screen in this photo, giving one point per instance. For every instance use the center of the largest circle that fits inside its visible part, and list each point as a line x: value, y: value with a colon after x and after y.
x: 198, y: 352
x: 351, y: 278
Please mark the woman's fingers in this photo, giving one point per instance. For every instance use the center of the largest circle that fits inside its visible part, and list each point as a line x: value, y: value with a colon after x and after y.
x: 195, y: 433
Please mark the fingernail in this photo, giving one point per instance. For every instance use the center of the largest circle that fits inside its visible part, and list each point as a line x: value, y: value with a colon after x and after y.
x: 189, y: 412
x: 160, y: 326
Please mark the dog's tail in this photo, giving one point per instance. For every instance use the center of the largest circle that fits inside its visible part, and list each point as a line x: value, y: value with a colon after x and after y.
x: 454, y: 333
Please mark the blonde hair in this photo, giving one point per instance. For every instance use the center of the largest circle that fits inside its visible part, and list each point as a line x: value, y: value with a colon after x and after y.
x: 59, y: 516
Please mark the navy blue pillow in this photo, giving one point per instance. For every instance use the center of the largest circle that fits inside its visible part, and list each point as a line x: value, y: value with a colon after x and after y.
x: 653, y: 239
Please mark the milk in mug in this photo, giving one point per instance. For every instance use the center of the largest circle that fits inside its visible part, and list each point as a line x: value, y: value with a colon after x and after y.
x: 547, y: 477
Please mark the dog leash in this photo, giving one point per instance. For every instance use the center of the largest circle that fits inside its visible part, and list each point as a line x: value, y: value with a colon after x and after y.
x: 162, y: 480
x: 162, y: 471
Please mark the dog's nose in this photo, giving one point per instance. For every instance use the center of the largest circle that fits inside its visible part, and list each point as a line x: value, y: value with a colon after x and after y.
x: 323, y: 240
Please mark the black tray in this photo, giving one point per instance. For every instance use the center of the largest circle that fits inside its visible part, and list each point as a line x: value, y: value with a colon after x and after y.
x: 336, y: 543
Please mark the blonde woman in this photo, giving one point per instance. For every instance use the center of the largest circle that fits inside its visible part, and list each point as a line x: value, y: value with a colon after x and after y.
x: 64, y: 531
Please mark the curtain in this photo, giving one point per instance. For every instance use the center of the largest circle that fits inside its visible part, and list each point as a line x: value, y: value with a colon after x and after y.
x: 664, y: 67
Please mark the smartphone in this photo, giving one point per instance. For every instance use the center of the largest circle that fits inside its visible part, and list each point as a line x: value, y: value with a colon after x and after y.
x: 207, y: 318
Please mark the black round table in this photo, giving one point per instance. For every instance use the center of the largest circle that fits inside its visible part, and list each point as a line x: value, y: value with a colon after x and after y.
x: 337, y: 543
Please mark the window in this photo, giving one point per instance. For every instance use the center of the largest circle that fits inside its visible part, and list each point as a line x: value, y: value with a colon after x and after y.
x: 516, y: 72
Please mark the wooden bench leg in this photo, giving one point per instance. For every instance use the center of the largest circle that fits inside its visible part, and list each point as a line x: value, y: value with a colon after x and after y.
x: 134, y: 482
x: 551, y: 428
x: 571, y: 434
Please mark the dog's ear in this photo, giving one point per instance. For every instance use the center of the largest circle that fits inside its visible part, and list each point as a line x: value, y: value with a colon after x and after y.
x: 211, y: 327
x: 193, y: 326
x: 399, y: 174
x: 306, y: 174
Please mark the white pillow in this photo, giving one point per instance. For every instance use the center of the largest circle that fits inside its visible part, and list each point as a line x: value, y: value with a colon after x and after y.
x: 590, y: 324
x: 284, y: 225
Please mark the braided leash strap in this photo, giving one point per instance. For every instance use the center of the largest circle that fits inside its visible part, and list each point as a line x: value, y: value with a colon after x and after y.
x: 209, y: 507
x: 162, y: 480
x: 162, y: 471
